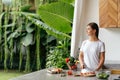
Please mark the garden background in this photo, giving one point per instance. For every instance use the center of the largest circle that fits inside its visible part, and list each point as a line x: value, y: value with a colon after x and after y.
x: 35, y: 34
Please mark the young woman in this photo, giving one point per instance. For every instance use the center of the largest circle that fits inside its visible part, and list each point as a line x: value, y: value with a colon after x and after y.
x: 92, y: 51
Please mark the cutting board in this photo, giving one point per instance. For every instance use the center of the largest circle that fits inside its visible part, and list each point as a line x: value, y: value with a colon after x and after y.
x: 115, y: 71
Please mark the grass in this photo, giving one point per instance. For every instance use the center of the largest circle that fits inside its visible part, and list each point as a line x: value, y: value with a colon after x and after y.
x: 6, y: 75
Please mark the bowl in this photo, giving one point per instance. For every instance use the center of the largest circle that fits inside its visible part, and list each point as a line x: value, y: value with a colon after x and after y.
x: 104, y: 75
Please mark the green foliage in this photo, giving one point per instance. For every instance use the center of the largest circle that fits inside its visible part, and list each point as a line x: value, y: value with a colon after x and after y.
x: 30, y: 28
x: 26, y: 35
x: 38, y: 63
x: 5, y: 41
x: 50, y: 30
x: 50, y: 1
x: 57, y: 54
x: 58, y: 15
x: 72, y: 61
x: 27, y: 65
x: 68, y: 1
x: 26, y: 8
x: 26, y: 38
x: 10, y: 74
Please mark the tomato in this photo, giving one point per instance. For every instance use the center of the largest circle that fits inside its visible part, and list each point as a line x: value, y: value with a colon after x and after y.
x: 73, y: 67
x: 67, y: 60
x: 69, y: 72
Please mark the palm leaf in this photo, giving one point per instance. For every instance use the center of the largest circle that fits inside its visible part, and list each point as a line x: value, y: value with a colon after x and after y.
x: 58, y: 15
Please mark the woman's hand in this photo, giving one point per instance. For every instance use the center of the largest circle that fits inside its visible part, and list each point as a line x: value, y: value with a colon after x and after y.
x: 82, y: 66
x: 96, y: 69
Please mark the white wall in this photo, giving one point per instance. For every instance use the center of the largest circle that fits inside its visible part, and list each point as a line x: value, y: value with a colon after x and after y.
x: 111, y: 36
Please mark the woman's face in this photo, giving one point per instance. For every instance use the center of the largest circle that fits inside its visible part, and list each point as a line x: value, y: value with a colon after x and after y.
x: 90, y: 31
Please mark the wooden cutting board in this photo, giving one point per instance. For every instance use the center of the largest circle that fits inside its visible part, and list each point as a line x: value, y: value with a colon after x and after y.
x: 115, y: 71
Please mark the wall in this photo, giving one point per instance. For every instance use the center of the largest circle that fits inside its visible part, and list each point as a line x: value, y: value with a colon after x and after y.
x: 111, y: 36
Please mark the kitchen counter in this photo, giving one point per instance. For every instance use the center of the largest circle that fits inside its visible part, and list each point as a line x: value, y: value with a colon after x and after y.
x: 43, y: 75
x: 109, y: 64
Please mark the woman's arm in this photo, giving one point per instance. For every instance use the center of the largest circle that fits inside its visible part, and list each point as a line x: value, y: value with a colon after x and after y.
x: 81, y: 60
x: 101, y: 62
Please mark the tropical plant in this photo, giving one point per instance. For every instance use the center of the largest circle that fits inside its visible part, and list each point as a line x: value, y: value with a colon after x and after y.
x: 19, y: 36
x: 58, y: 53
x: 58, y: 15
x: 22, y: 44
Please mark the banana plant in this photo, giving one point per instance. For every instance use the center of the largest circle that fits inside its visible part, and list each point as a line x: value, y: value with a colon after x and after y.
x: 23, y: 32
x: 56, y: 18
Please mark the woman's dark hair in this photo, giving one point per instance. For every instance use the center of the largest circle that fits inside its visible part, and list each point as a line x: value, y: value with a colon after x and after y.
x: 93, y: 25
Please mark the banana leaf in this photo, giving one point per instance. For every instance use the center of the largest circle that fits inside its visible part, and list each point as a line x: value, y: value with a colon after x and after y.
x: 14, y: 34
x: 58, y: 15
x: 27, y: 40
x: 35, y: 19
x: 48, y: 29
x: 30, y: 28
x: 50, y: 38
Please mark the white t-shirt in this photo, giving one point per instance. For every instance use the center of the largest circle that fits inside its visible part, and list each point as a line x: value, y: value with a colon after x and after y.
x: 91, y: 51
